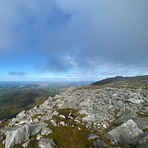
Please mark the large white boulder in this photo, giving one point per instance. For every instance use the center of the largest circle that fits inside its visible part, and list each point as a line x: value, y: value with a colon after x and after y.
x: 127, y: 133
x: 17, y: 135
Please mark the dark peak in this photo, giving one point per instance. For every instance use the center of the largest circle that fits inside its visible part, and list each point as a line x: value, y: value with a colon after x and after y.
x: 121, y: 78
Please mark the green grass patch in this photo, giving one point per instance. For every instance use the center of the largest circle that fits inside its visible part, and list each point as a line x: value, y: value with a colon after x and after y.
x: 67, y: 111
x: 66, y: 137
x: 33, y: 143
x: 142, y: 114
x: 145, y: 130
x: 1, y: 145
x: 17, y: 146
x: 36, y: 116
x: 4, y: 124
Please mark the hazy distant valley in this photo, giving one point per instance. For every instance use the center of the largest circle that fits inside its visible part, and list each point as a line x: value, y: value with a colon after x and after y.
x: 109, y: 113
x: 18, y: 96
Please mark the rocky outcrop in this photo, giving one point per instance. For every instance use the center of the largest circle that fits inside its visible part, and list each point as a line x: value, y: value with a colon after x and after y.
x: 142, y: 122
x: 47, y: 143
x: 143, y: 143
x: 99, y: 107
x: 36, y: 128
x: 22, y: 133
x: 128, y: 133
x: 17, y: 135
x: 100, y: 144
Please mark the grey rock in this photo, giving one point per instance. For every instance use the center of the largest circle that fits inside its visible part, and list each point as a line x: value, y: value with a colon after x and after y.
x: 55, y: 113
x: 44, y: 105
x: 47, y: 143
x: 143, y: 143
x: 50, y: 99
x: 17, y: 135
x: 88, y: 125
x: 38, y: 137
x: 62, y: 123
x: 62, y: 116
x: 84, y: 104
x: 46, y: 131
x: 25, y: 145
x: 2, y: 136
x: 127, y: 133
x: 53, y: 122
x: 47, y: 117
x: 21, y: 115
x: 125, y: 116
x: 36, y: 128
x: 135, y: 101
x: 146, y: 108
x: 92, y: 136
x: 142, y: 122
x: 100, y: 144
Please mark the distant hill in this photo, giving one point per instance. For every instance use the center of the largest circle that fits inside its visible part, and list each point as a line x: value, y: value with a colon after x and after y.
x: 117, y: 79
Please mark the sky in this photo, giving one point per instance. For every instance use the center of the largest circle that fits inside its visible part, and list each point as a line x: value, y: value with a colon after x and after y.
x: 72, y: 39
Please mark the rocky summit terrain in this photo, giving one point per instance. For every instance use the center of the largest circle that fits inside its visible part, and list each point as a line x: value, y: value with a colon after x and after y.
x: 113, y: 114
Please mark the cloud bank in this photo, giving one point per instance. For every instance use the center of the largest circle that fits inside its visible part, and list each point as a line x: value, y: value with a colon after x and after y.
x: 77, y: 36
x: 17, y: 73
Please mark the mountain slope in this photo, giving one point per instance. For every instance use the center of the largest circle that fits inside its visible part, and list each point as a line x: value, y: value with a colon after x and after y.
x: 119, y: 81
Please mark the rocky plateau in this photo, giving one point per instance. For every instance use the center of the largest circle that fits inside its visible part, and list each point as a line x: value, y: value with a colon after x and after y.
x: 115, y: 114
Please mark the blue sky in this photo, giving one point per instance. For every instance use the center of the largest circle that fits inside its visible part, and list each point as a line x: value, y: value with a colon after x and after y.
x: 73, y: 39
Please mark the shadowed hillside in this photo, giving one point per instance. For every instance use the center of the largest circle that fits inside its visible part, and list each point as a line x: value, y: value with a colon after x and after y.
x: 131, y: 82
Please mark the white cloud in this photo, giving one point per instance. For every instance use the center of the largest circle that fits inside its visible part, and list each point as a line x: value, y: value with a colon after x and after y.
x: 93, y: 32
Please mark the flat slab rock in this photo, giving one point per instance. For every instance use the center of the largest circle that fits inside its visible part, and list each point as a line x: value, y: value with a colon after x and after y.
x: 142, y: 122
x: 127, y: 133
x: 17, y: 135
x: 22, y: 133
x: 47, y: 143
x: 143, y: 143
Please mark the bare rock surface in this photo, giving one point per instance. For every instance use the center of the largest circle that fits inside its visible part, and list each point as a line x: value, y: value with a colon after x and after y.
x: 143, y: 143
x: 127, y: 133
x: 47, y: 143
x: 99, y: 107
x: 17, y: 135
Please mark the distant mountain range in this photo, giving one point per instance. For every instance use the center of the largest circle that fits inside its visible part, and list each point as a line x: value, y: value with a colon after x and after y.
x: 117, y: 79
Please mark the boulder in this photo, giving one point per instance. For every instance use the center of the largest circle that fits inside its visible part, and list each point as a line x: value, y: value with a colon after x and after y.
x: 143, y: 143
x: 21, y: 134
x: 92, y: 136
x: 17, y: 135
x: 25, y: 145
x: 46, y: 143
x: 62, y: 116
x: 100, y: 144
x: 127, y: 133
x: 2, y: 136
x: 46, y: 131
x: 142, y: 122
x: 53, y: 123
x: 36, y: 128
x: 21, y: 115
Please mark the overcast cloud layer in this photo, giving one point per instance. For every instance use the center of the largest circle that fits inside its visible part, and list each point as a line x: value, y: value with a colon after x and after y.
x: 74, y: 37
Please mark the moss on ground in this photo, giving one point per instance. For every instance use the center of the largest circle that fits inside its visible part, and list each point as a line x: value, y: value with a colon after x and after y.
x: 145, y: 130
x: 4, y: 124
x: 1, y: 145
x: 17, y: 146
x: 142, y: 114
x: 33, y: 143
x: 36, y: 116
x: 72, y: 136
x: 67, y: 111
x: 66, y: 137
